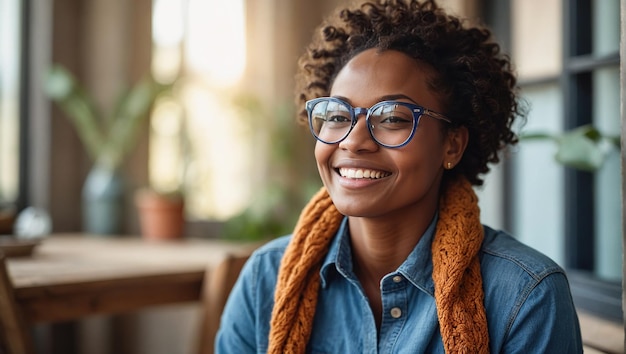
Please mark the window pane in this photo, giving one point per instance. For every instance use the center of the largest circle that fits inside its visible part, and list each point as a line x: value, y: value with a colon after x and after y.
x: 9, y: 99
x: 200, y: 141
x: 490, y: 198
x: 608, y: 208
x: 537, y: 201
x: 606, y: 22
x: 537, y: 40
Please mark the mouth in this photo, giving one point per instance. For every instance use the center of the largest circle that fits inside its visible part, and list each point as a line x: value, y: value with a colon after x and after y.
x: 361, y: 173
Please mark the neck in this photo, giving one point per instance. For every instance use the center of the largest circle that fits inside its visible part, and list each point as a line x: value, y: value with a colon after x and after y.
x: 380, y: 246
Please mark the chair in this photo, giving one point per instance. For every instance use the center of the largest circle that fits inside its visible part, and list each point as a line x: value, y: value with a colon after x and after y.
x: 14, y: 332
x: 217, y: 286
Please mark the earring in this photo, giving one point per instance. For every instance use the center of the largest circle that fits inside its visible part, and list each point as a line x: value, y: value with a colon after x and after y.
x: 449, y: 165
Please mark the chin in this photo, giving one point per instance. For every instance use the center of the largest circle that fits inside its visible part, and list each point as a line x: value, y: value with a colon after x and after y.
x: 353, y: 209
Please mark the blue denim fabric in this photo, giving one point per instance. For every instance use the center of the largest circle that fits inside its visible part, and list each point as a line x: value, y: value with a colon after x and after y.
x: 527, y: 299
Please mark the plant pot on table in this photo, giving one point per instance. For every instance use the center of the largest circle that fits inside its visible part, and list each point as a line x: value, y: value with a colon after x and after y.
x: 161, y: 216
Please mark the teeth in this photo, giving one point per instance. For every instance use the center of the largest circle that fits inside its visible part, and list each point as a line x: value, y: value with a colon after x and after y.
x: 361, y: 173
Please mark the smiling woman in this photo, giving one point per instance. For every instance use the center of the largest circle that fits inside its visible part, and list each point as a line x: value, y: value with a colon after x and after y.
x: 391, y: 254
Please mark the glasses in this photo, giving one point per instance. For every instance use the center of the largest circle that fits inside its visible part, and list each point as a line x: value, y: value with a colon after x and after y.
x: 391, y: 124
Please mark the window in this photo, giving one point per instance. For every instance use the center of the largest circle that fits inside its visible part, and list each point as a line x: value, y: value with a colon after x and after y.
x: 591, y: 91
x: 10, y: 101
x: 536, y: 28
x: 199, y: 141
x: 567, y: 57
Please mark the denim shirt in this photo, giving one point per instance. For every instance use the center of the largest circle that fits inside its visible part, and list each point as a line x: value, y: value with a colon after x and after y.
x: 527, y: 301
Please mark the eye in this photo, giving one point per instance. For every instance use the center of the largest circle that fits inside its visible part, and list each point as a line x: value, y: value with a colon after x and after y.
x: 394, y: 119
x: 337, y: 118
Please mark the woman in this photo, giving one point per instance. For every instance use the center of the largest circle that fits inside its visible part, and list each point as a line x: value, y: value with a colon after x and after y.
x: 408, y: 108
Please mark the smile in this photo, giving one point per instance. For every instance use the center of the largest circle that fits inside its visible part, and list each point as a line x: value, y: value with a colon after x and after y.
x: 362, y: 173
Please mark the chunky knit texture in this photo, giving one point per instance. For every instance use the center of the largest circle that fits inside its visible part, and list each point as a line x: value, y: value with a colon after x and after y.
x: 456, y: 273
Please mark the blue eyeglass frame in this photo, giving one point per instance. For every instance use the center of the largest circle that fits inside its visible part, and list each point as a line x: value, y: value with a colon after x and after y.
x: 355, y: 112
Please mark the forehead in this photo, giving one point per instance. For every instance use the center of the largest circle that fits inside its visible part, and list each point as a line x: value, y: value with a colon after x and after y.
x: 371, y: 75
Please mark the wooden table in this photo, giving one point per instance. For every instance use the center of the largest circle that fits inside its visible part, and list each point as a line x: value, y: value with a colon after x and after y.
x: 73, y: 276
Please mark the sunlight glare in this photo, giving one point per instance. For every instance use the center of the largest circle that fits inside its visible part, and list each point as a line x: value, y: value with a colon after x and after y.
x: 216, y: 40
x: 167, y: 23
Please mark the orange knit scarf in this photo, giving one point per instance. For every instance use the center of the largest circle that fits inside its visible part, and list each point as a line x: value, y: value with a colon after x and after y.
x: 456, y: 273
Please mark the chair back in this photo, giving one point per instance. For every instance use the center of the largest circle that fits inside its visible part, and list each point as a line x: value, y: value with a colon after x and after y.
x: 217, y: 286
x: 15, y: 336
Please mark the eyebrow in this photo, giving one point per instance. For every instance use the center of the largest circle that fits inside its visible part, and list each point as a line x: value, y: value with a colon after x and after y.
x: 397, y: 96
x: 392, y: 97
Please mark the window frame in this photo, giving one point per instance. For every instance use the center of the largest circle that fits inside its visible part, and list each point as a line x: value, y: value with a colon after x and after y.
x: 596, y: 296
x: 591, y: 294
x: 23, y: 54
x: 25, y: 79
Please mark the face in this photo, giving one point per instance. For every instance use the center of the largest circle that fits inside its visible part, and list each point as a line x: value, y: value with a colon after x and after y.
x: 365, y: 179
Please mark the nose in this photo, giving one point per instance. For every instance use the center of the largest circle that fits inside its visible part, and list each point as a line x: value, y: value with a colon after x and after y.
x: 359, y: 139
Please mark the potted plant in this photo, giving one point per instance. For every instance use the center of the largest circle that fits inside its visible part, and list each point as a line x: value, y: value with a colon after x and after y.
x: 161, y: 214
x: 106, y: 141
x: 584, y: 148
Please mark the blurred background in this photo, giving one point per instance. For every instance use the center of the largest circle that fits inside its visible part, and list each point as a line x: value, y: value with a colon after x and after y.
x: 223, y: 134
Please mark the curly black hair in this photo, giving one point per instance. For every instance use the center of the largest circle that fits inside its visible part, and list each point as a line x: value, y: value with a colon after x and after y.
x: 472, y: 76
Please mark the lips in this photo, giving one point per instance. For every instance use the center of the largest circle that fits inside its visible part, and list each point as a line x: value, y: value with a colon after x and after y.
x: 362, y: 173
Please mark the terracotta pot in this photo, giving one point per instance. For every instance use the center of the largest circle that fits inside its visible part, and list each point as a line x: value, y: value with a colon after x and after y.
x: 161, y: 217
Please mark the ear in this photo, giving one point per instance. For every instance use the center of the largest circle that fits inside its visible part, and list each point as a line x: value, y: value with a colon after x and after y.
x: 455, y: 143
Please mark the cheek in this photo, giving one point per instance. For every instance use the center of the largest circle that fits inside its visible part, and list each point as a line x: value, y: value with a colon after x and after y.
x: 425, y: 154
x: 417, y: 166
x: 322, y: 155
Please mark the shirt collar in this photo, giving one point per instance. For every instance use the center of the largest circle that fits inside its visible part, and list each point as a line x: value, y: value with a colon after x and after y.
x: 417, y: 268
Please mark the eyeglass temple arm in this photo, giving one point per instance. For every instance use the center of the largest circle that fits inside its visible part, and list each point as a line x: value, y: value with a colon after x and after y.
x: 437, y: 115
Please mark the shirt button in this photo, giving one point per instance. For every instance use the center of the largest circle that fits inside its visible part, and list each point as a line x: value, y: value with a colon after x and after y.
x: 397, y: 279
x: 396, y: 312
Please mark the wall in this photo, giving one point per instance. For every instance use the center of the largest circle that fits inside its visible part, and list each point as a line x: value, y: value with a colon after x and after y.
x: 106, y: 44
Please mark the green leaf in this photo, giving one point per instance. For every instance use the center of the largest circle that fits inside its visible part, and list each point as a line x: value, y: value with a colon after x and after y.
x: 133, y: 109
x: 61, y: 86
x: 537, y: 136
x: 584, y: 148
x: 580, y: 149
x: 105, y: 147
x: 615, y: 140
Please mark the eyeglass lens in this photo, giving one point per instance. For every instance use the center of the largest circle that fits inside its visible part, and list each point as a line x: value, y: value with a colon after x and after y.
x: 390, y: 124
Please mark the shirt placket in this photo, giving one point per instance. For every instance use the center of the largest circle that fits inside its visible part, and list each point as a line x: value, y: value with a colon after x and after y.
x: 395, y: 310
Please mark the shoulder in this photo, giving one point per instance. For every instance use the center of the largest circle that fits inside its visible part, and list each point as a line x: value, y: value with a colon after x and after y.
x: 245, y: 321
x: 513, y: 272
x: 512, y: 269
x: 526, y: 291
x: 263, y: 264
x: 272, y: 249
x: 500, y: 248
